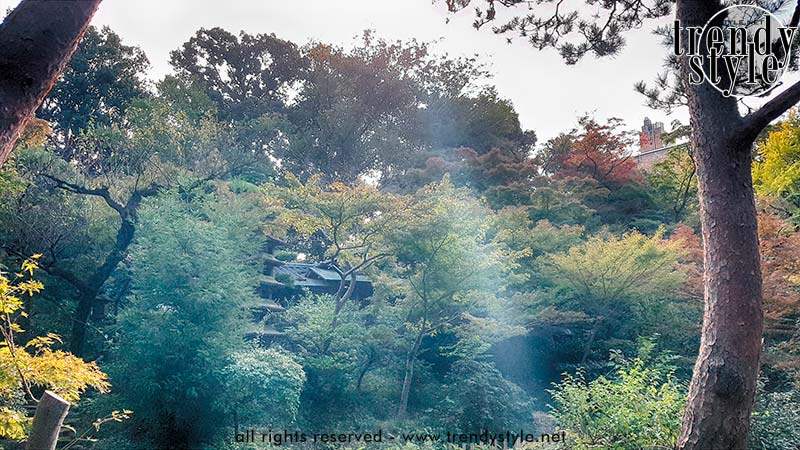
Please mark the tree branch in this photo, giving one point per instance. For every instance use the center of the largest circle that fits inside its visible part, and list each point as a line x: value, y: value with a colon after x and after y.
x: 752, y: 124
x: 78, y: 189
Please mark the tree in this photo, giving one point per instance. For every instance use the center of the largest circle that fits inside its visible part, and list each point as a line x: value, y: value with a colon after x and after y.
x: 358, y: 110
x: 479, y: 120
x: 724, y: 382
x: 614, y: 281
x: 384, y: 107
x: 349, y: 223
x: 99, y: 83
x: 503, y: 177
x: 450, y: 269
x: 600, y: 152
x: 780, y: 266
x: 517, y: 231
x: 478, y: 397
x: 193, y: 277
x: 41, y: 215
x: 638, y: 406
x: 674, y: 183
x: 338, y: 359
x: 263, y: 386
x: 36, y: 41
x: 246, y: 76
x: 25, y: 368
x: 120, y: 167
x: 776, y: 170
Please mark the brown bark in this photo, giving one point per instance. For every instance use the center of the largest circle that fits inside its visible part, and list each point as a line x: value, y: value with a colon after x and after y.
x: 36, y: 41
x: 722, y: 391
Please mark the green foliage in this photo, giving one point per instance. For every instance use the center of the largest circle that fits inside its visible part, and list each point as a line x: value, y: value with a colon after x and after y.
x: 99, y: 83
x: 263, y: 387
x: 450, y: 274
x: 285, y: 255
x: 674, y: 184
x: 350, y: 221
x: 622, y: 286
x: 639, y: 406
x: 341, y: 360
x: 515, y: 230
x: 618, y: 269
x: 775, y: 423
x: 192, y: 277
x: 776, y: 170
x: 246, y: 77
x: 475, y: 397
x: 309, y: 324
x: 34, y: 364
x: 444, y: 249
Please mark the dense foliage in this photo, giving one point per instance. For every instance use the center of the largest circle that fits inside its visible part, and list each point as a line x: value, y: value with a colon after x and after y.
x: 511, y: 283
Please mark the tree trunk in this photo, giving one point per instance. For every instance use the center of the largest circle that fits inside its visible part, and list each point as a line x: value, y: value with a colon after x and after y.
x: 36, y: 41
x: 587, y: 349
x: 402, y: 412
x: 723, y: 387
x: 50, y: 414
x: 411, y: 359
x: 364, y: 369
x: 88, y: 295
x: 722, y: 391
x: 80, y: 321
x: 342, y: 296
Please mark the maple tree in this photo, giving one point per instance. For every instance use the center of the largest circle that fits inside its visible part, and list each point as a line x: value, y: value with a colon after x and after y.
x: 35, y: 364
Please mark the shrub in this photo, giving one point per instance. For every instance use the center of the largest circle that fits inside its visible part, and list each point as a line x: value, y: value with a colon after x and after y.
x: 639, y: 406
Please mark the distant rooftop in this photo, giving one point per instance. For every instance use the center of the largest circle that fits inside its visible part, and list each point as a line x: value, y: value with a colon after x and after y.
x: 304, y: 273
x: 661, y: 149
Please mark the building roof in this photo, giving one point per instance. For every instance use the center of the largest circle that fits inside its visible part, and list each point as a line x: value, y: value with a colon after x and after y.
x: 661, y: 149
x: 275, y: 240
x: 272, y: 305
x: 305, y: 274
x: 272, y: 261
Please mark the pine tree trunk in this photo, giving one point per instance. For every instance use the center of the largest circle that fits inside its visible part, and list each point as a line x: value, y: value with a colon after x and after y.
x: 723, y: 387
x: 722, y: 391
x: 36, y: 41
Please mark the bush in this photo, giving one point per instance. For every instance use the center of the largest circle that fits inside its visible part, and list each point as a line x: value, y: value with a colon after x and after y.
x: 192, y: 280
x: 775, y: 423
x: 263, y: 387
x: 477, y: 397
x: 639, y: 406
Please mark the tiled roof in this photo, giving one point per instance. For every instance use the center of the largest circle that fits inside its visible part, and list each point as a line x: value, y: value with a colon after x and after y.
x: 306, y: 274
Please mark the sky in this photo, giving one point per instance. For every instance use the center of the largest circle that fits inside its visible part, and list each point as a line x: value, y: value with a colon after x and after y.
x: 548, y: 95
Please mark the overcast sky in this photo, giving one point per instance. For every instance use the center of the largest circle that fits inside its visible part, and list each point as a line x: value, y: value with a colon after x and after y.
x: 548, y: 95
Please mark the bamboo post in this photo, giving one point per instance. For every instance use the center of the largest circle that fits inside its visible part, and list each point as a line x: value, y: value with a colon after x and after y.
x: 50, y: 414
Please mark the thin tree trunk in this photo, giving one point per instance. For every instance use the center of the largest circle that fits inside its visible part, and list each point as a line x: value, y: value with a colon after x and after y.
x: 364, y: 369
x: 722, y: 391
x: 36, y: 41
x: 587, y: 349
x: 723, y: 387
x: 80, y: 322
x: 411, y: 359
x: 341, y: 299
